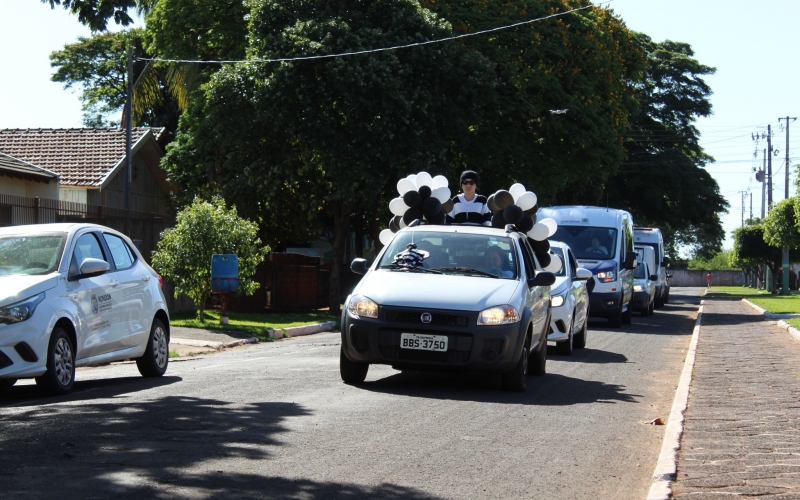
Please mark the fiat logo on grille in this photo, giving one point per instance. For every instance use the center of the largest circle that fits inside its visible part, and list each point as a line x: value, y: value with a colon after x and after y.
x: 425, y: 317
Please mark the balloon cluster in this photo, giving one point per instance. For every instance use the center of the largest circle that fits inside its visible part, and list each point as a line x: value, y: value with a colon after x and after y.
x: 410, y: 257
x: 518, y: 207
x: 421, y: 197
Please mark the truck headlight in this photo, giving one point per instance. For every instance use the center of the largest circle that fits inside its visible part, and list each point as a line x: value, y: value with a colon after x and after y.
x: 500, y: 315
x: 606, y: 276
x: 20, y: 311
x: 362, y: 307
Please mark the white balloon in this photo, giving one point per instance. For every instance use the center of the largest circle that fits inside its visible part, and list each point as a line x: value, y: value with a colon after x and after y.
x: 555, y: 264
x: 405, y: 185
x: 442, y: 194
x: 526, y: 201
x: 423, y: 179
x: 439, y: 181
x: 539, y: 232
x: 516, y: 191
x: 386, y: 236
x: 551, y: 224
x: 397, y: 206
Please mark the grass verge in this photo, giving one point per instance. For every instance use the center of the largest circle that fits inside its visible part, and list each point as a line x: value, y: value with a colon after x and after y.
x: 174, y: 354
x: 738, y: 291
x: 778, y: 304
x: 255, y: 324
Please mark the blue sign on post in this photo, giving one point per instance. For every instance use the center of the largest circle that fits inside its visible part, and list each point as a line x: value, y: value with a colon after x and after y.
x: 224, y: 273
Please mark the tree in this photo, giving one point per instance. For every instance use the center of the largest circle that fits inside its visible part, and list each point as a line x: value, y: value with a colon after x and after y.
x: 326, y: 139
x: 96, y: 13
x: 98, y: 66
x: 719, y: 262
x: 582, y: 62
x: 203, y: 229
x: 750, y: 251
x: 663, y: 182
x: 782, y: 226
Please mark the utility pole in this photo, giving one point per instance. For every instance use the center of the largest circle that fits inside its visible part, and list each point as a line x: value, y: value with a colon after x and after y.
x: 763, y: 184
x: 785, y: 250
x: 128, y: 122
x: 751, y: 208
x: 769, y: 167
x: 744, y: 197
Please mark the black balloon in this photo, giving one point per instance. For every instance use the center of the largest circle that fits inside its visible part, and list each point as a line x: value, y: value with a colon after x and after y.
x: 532, y: 211
x: 437, y: 219
x: 503, y: 199
x: 513, y: 214
x: 498, y: 220
x: 539, y: 246
x: 526, y: 224
x: 424, y: 192
x: 394, y: 223
x: 447, y: 206
x: 543, y: 258
x: 412, y: 214
x: 412, y: 199
x: 491, y: 204
x: 431, y: 207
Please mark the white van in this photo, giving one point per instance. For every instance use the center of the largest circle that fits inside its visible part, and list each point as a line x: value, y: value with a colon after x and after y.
x: 602, y: 241
x: 652, y: 237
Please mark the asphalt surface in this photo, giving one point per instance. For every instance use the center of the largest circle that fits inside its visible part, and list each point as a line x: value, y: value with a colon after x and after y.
x: 274, y: 420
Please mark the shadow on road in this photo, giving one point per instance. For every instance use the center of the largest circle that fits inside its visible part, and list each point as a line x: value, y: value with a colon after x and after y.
x: 588, y: 355
x: 84, y: 390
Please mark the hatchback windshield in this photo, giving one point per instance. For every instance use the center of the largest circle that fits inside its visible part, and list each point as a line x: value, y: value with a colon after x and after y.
x: 589, y: 243
x: 457, y: 253
x: 35, y: 254
x: 563, y: 270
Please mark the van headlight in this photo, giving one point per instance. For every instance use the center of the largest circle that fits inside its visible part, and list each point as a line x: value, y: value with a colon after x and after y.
x: 637, y: 288
x: 362, y: 307
x: 606, y: 276
x: 500, y: 315
x: 20, y: 311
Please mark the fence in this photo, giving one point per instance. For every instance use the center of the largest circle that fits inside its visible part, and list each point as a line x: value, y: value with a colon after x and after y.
x: 683, y: 277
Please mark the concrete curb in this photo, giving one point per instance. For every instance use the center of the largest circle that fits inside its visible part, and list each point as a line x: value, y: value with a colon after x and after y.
x: 794, y: 332
x: 298, y: 331
x: 211, y: 343
x: 667, y: 466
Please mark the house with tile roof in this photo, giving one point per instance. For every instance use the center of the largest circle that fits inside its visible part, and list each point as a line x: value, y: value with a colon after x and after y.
x: 20, y: 178
x: 90, y: 164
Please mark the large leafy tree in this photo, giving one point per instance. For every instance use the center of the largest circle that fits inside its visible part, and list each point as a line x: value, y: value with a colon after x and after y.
x: 203, y: 229
x: 751, y: 251
x: 330, y: 136
x: 580, y: 62
x: 782, y: 226
x: 663, y: 182
x: 96, y: 13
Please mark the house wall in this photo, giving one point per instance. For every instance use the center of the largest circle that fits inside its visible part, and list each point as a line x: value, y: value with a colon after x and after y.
x: 72, y: 195
x: 28, y: 189
x: 146, y: 193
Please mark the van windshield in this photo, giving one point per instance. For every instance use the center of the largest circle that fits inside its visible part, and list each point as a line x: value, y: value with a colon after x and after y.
x: 587, y: 242
x: 457, y: 253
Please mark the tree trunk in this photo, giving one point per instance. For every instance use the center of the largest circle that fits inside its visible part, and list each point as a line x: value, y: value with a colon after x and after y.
x: 341, y: 230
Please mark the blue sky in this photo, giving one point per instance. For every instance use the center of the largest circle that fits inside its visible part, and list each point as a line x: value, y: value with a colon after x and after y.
x: 752, y: 45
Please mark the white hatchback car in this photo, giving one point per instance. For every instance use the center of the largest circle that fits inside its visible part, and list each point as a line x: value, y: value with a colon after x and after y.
x: 76, y: 295
x: 569, y: 302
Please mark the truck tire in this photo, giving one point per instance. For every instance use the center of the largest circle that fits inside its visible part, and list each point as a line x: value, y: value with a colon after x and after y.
x: 352, y: 373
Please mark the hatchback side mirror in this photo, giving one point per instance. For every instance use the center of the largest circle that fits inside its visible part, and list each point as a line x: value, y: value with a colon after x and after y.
x: 630, y: 260
x: 582, y: 274
x: 359, y: 266
x: 542, y: 278
x: 653, y: 277
x: 90, y: 268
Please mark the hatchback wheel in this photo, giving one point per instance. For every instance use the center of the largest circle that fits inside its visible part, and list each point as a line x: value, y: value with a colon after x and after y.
x: 516, y: 379
x: 156, y: 356
x: 565, y: 348
x: 580, y: 338
x: 351, y: 372
x: 60, y: 375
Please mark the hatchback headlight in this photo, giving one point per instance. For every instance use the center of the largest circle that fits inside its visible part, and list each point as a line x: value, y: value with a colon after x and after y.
x: 20, y: 311
x: 362, y: 307
x: 637, y: 288
x: 500, y: 315
x: 558, y: 300
x: 606, y: 276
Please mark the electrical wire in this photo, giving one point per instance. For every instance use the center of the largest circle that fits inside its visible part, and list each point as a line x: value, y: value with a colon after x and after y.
x: 371, y: 51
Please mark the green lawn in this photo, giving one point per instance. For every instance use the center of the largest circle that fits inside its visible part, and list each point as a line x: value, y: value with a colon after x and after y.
x: 778, y: 304
x: 257, y: 325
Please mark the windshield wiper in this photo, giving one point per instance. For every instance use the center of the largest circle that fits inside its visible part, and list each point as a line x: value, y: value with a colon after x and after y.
x: 409, y: 268
x: 467, y: 270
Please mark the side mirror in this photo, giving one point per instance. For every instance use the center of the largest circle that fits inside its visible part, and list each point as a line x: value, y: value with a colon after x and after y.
x: 669, y: 276
x: 359, y: 266
x: 93, y: 267
x: 630, y: 260
x: 653, y: 277
x: 542, y: 278
x: 665, y: 262
x: 583, y: 274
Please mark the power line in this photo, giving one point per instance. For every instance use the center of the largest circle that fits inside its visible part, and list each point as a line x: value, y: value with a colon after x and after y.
x: 371, y: 51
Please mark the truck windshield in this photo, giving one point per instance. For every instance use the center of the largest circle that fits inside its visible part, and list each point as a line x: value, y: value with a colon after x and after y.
x: 457, y: 253
x: 589, y: 243
x: 33, y: 254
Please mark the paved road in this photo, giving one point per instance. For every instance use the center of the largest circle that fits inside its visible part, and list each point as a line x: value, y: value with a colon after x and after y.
x: 275, y: 421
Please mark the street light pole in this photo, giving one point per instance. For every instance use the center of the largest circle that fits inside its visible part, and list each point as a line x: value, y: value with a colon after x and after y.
x: 785, y: 250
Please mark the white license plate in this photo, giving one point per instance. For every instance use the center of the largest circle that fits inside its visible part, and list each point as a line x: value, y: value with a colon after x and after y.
x: 423, y: 342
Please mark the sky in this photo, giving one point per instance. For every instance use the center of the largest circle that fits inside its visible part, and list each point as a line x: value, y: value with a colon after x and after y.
x: 751, y: 45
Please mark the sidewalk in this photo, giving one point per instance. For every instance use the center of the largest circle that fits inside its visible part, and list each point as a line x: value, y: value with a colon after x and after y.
x: 196, y: 340
x: 741, y: 436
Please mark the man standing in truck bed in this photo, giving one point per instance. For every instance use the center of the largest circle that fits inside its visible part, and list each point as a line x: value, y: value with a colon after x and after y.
x: 469, y: 206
